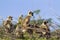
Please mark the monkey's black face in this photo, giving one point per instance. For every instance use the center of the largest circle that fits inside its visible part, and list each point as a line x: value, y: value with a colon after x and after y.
x: 32, y: 14
x: 45, y: 22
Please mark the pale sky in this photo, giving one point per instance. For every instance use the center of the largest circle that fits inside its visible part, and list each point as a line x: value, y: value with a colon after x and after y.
x: 49, y: 8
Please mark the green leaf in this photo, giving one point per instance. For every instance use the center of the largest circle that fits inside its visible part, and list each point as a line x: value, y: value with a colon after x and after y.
x: 36, y: 11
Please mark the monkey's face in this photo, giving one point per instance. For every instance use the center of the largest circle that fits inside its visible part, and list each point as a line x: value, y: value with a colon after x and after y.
x: 45, y: 22
x: 10, y: 19
x: 31, y: 13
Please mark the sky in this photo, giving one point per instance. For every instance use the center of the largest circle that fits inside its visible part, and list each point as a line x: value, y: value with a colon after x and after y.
x: 48, y: 8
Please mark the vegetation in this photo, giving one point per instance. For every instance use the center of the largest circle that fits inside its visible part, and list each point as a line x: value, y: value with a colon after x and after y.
x: 4, y: 36
x: 55, y: 35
